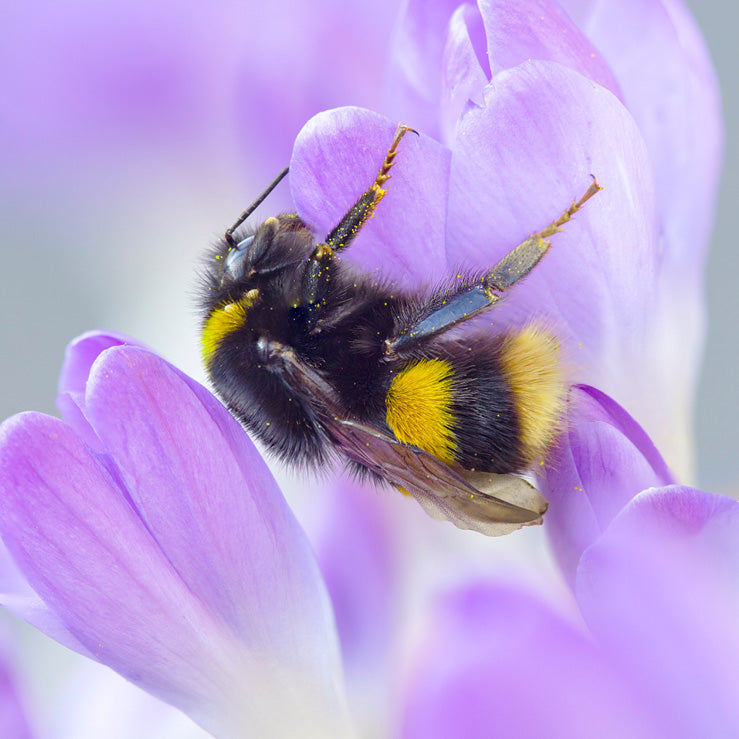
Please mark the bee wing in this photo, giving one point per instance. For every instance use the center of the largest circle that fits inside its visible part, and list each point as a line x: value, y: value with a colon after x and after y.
x: 440, y: 490
x: 476, y: 501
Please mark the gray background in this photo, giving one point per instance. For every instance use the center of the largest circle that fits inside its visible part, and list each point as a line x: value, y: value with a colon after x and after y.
x: 717, y: 406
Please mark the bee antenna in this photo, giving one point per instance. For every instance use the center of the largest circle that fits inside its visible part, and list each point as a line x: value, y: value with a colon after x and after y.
x: 272, y: 185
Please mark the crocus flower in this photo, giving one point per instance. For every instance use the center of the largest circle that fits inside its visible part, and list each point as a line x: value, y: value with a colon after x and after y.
x: 153, y: 539
x: 518, y: 103
x: 651, y: 650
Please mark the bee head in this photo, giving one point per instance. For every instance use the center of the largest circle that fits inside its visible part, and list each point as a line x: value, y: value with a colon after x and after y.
x: 279, y: 243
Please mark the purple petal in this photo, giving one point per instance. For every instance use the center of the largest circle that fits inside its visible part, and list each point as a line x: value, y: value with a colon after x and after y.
x: 660, y: 59
x: 520, y: 30
x: 603, y: 461
x: 336, y: 158
x: 464, y: 67
x: 79, y: 357
x: 413, y: 91
x: 498, y: 662
x: 90, y: 558
x: 194, y: 489
x: 356, y: 554
x: 81, y: 354
x: 194, y: 594
x: 660, y: 590
x: 357, y: 551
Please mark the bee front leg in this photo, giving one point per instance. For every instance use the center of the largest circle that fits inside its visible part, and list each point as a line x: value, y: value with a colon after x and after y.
x: 350, y: 225
x: 318, y: 274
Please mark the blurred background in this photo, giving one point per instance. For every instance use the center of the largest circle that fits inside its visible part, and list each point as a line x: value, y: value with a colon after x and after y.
x: 133, y: 134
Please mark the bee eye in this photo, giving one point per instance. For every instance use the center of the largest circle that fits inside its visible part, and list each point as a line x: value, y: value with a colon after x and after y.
x: 237, y: 256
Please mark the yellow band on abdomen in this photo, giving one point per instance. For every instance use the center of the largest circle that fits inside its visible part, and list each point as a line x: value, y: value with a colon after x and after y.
x: 418, y: 407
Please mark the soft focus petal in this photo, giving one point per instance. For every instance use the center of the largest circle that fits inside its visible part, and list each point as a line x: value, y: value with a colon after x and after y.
x: 659, y: 590
x: 464, y: 67
x: 336, y: 158
x: 520, y: 30
x: 135, y: 78
x: 413, y: 91
x: 138, y: 586
x: 660, y: 59
x: 498, y: 662
x: 361, y: 562
x: 14, y: 723
x: 603, y: 460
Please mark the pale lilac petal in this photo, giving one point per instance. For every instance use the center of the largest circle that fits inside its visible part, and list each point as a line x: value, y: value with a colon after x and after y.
x: 206, y: 593
x: 304, y: 58
x: 659, y: 590
x: 336, y: 158
x: 659, y: 56
x: 464, y: 67
x: 413, y: 93
x: 356, y: 553
x: 604, y: 459
x: 211, y: 508
x: 90, y: 558
x: 497, y: 662
x: 669, y: 84
x: 520, y: 30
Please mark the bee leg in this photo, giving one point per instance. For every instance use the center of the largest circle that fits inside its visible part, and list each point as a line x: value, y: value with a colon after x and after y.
x: 319, y: 268
x: 446, y: 310
x: 350, y: 225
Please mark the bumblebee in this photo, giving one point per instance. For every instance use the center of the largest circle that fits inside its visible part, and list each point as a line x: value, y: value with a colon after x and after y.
x: 319, y: 360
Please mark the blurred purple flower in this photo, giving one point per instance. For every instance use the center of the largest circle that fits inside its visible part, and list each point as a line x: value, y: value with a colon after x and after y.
x: 154, y: 539
x: 115, y: 80
x: 517, y: 105
x: 657, y: 585
x: 14, y: 723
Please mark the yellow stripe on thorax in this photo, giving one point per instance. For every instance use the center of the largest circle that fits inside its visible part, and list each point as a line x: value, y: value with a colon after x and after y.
x: 533, y: 368
x: 418, y: 407
x: 223, y: 321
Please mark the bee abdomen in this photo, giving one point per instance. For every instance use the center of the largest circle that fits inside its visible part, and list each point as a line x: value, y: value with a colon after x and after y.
x: 493, y: 405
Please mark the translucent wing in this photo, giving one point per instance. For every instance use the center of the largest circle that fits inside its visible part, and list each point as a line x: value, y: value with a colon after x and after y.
x: 490, y: 504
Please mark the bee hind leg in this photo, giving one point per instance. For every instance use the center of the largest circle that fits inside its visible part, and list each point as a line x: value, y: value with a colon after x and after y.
x: 446, y: 310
